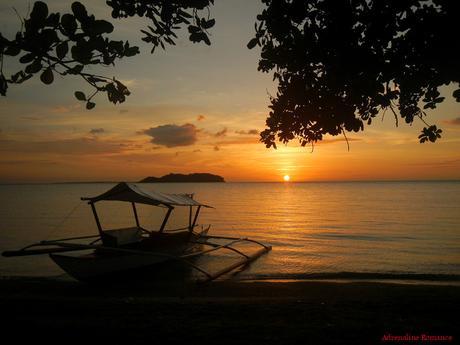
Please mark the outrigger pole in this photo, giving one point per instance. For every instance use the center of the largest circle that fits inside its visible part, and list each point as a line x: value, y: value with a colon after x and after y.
x: 246, y: 259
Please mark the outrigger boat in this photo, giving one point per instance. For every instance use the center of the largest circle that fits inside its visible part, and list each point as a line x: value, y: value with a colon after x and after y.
x: 117, y: 251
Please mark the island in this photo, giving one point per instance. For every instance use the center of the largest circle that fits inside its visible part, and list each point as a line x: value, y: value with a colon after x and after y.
x: 196, y: 177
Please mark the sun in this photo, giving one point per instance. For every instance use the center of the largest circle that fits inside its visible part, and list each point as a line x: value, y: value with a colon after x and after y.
x: 286, y: 178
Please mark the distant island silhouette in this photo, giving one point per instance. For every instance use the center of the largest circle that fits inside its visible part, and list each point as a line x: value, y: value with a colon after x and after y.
x: 197, y: 177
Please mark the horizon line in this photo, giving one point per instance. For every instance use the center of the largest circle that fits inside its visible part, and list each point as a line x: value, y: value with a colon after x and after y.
x: 248, y: 181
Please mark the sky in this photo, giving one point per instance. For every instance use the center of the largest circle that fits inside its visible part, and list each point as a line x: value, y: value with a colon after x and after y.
x: 194, y: 108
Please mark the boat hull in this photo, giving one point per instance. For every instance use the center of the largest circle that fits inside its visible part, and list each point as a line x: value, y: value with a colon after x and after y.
x: 159, y: 257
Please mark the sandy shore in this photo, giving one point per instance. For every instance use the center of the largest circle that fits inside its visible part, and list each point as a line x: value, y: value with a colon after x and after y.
x: 312, y: 312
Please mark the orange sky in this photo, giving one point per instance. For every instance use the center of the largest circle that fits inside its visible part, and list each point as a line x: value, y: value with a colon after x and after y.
x: 195, y: 108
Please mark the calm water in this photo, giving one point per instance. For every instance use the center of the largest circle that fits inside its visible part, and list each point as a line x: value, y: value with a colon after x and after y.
x: 370, y: 228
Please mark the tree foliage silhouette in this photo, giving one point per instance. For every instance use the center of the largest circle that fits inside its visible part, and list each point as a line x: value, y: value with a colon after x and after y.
x: 339, y: 62
x: 69, y: 44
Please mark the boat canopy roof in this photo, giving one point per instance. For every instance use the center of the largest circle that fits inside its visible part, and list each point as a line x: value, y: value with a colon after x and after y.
x: 134, y: 193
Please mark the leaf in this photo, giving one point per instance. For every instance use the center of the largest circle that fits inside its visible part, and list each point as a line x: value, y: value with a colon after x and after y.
x: 252, y: 43
x: 3, y: 85
x: 82, y: 53
x: 193, y: 29
x: 431, y: 134
x: 117, y: 46
x: 52, y: 20
x: 169, y: 40
x: 34, y: 67
x: 95, y: 79
x: 206, y: 39
x: 183, y: 13
x: 80, y: 12
x: 456, y: 94
x: 61, y: 50
x: 39, y: 13
x: 90, y: 105
x: 439, y: 99
x: 68, y: 23
x: 80, y: 96
x: 195, y: 37
x: 76, y: 69
x: 27, y: 58
x: 102, y: 26
x: 47, y: 76
x: 207, y: 24
x: 19, y: 77
x: 146, y: 33
x: 48, y: 37
x: 24, y: 77
x: 132, y: 51
x: 12, y: 50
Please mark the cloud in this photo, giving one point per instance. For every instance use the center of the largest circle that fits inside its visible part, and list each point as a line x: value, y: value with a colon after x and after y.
x: 64, y: 109
x: 25, y: 161
x: 173, y: 135
x: 77, y: 146
x: 452, y: 163
x: 221, y: 133
x: 248, y: 132
x: 238, y: 141
x: 455, y: 122
x: 200, y: 118
x: 97, y: 131
x: 31, y: 118
x: 335, y: 140
x: 129, y: 82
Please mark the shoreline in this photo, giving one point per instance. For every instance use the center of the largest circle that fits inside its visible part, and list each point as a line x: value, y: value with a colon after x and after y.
x: 226, y: 312
x: 65, y: 286
x: 453, y: 283
x: 326, y: 277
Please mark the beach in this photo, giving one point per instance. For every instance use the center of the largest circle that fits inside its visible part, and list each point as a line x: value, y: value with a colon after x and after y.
x: 227, y: 312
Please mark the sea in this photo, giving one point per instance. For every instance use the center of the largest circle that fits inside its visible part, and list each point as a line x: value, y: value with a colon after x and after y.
x: 403, y: 231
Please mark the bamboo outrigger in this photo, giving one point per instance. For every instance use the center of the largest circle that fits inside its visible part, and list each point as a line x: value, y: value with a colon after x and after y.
x: 117, y: 251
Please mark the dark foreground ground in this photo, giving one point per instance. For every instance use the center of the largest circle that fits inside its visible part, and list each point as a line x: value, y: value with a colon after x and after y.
x: 38, y: 311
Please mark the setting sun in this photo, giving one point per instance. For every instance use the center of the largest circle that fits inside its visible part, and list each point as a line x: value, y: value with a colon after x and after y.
x: 286, y: 178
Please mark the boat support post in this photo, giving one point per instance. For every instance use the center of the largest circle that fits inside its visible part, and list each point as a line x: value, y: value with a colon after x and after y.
x: 135, y: 214
x: 96, y: 217
x: 165, y: 220
x: 195, y: 218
